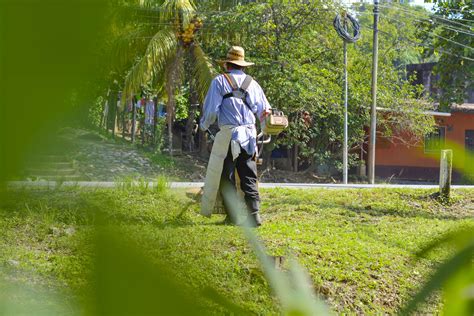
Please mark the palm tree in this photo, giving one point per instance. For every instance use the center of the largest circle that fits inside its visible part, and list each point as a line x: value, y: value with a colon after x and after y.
x: 168, y: 28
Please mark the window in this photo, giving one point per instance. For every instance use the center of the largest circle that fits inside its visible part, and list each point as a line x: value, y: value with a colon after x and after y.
x: 434, y: 141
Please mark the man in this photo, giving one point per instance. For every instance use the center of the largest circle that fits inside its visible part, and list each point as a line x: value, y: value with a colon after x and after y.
x: 235, y: 146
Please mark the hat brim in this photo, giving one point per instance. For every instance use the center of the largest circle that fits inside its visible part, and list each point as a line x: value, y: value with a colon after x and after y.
x: 241, y: 63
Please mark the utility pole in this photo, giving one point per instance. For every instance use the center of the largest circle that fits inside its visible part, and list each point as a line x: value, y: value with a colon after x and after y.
x: 346, y: 135
x: 373, y: 111
x: 342, y: 31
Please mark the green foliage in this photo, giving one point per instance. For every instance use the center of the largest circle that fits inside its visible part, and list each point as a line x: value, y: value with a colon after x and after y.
x: 162, y: 185
x: 453, y: 42
x: 298, y: 58
x: 182, y: 103
x: 96, y: 112
x: 160, y: 134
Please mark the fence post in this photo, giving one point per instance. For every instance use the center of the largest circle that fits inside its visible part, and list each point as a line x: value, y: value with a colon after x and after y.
x: 445, y: 171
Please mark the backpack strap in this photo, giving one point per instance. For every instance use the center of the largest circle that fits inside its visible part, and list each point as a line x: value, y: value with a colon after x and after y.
x: 238, y: 92
x: 231, y: 80
x: 247, y: 81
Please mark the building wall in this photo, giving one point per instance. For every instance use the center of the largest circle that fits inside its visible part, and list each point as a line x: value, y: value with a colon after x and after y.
x: 411, y: 162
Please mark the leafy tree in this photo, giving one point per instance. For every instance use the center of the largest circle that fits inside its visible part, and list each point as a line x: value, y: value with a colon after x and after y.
x: 159, y: 38
x: 299, y: 64
x: 452, y: 32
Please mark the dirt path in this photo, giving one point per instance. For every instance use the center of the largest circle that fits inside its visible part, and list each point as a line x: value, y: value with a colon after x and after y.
x: 95, y: 157
x: 99, y: 158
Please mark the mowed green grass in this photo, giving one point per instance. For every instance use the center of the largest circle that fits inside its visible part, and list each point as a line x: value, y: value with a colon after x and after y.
x: 357, y: 245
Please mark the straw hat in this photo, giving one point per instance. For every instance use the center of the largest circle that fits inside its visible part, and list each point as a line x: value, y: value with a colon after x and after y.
x: 236, y: 55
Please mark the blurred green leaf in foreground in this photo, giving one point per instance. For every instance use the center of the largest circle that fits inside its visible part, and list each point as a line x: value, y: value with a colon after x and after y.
x: 48, y: 50
x: 455, y: 276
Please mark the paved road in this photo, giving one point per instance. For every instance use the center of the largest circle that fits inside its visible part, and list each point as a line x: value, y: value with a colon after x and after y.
x: 187, y: 185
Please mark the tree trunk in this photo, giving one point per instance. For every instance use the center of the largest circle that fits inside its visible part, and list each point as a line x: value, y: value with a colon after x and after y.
x: 203, y: 152
x: 105, y: 113
x: 134, y: 120
x: 112, y: 110
x: 114, y: 128
x: 295, y: 158
x: 155, y: 120
x: 193, y: 101
x: 103, y: 121
x: 124, y: 123
x: 169, y: 114
x: 143, y: 124
x: 171, y: 83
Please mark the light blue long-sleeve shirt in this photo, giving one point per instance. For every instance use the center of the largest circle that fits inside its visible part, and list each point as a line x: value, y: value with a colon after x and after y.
x: 233, y: 111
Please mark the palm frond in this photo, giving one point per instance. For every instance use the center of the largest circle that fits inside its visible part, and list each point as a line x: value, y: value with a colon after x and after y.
x: 182, y: 10
x: 150, y: 3
x: 129, y: 45
x: 160, y: 48
x: 204, y: 71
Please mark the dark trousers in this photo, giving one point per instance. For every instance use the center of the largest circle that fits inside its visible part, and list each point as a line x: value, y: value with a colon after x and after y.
x: 247, y: 169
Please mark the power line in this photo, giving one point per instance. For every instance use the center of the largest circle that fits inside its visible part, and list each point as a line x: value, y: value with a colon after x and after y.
x: 418, y: 44
x: 421, y: 19
x: 450, y: 27
x: 439, y: 23
x: 456, y: 10
x: 455, y: 17
x: 446, y: 26
x: 208, y: 30
x: 431, y: 15
x: 433, y: 34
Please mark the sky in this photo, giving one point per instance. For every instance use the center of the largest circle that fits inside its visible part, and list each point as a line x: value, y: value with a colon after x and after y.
x: 428, y: 6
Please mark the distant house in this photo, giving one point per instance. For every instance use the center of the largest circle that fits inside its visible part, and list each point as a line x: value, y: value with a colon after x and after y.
x: 395, y: 159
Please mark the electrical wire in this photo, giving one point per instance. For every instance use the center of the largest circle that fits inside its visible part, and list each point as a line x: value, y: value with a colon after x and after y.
x: 410, y: 12
x: 341, y: 29
x: 433, y: 34
x: 449, y: 27
x: 417, y: 18
x: 455, y: 10
x: 342, y: 32
x: 392, y: 36
x: 430, y: 33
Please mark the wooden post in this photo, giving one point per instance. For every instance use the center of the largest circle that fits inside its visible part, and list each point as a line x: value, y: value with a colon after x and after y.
x: 445, y: 171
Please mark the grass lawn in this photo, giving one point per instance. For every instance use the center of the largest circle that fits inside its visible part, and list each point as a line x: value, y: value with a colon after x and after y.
x: 357, y: 246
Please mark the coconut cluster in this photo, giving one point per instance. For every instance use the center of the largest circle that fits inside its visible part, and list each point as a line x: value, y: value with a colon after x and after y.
x: 187, y: 36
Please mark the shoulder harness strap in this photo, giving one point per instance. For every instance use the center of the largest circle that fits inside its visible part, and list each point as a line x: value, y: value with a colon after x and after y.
x: 247, y: 81
x: 231, y: 80
x: 238, y: 92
